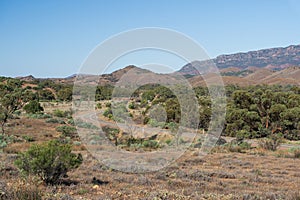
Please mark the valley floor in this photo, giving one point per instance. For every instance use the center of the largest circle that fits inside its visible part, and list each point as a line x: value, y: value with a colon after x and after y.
x: 254, y: 174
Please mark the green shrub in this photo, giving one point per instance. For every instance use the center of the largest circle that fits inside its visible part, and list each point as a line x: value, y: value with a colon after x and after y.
x: 60, y: 113
x: 111, y: 133
x: 33, y: 107
x: 132, y: 105
x: 71, y: 122
x: 238, y: 145
x: 82, y: 124
x: 107, y: 112
x: 50, y: 161
x: 67, y: 131
x: 99, y: 106
x: 3, y: 144
x: 77, y: 143
x: 271, y: 143
x: 168, y: 141
x: 153, y: 144
x: 295, y: 152
x: 55, y: 121
x: 28, y: 138
x: 5, y: 140
x: 39, y: 116
x: 155, y: 123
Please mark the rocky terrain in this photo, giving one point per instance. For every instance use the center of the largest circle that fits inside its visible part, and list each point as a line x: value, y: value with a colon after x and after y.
x: 273, y: 58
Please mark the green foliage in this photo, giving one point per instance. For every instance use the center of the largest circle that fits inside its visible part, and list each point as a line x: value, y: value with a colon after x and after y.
x: 12, y: 98
x: 39, y: 116
x: 297, y: 153
x: 103, y: 92
x: 46, y: 95
x: 148, y: 95
x: 55, y: 121
x: 107, y: 112
x: 28, y: 138
x: 238, y: 145
x: 5, y: 140
x: 50, y: 161
x: 60, y: 113
x: 238, y: 73
x: 154, y: 123
x: 99, y: 106
x: 260, y: 111
x: 131, y: 105
x: 82, y: 124
x: 65, y: 94
x: 271, y: 143
x: 33, y: 107
x: 173, y: 110
x: 153, y: 144
x: 67, y: 131
x: 71, y: 122
x: 111, y: 133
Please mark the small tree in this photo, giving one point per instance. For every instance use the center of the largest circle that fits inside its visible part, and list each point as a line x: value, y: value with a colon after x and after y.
x: 33, y: 107
x: 50, y: 161
x: 12, y: 98
x: 65, y: 94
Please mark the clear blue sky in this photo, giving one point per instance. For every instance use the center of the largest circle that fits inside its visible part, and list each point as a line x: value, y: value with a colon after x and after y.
x: 52, y: 38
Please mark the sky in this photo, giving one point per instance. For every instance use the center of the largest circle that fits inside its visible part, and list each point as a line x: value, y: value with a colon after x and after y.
x: 53, y: 38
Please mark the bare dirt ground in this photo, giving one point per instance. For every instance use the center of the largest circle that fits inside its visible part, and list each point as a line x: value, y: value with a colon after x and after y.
x: 255, y: 174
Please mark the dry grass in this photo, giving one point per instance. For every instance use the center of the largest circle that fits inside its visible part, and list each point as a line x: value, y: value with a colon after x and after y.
x: 253, y: 174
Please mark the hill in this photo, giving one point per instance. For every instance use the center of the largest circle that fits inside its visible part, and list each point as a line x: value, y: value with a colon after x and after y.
x: 267, y: 66
x: 273, y: 58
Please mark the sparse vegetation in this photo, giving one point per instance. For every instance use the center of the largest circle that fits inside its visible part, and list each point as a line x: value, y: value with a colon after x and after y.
x: 258, y: 118
x: 67, y: 131
x: 50, y: 161
x: 271, y: 143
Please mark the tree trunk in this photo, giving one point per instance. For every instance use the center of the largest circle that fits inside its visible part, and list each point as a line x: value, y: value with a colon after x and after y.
x: 267, y: 121
x: 2, y: 128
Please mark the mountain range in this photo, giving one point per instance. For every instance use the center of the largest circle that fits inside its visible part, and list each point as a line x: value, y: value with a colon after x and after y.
x: 273, y: 58
x: 266, y: 66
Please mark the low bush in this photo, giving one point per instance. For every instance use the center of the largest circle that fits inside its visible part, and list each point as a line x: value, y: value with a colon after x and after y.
x: 71, y: 122
x: 33, y: 107
x: 50, y: 161
x: 107, y: 112
x: 238, y: 145
x: 111, y: 133
x: 55, y: 121
x: 99, y: 106
x: 82, y: 124
x: 39, y: 116
x: 60, y: 113
x: 5, y: 140
x: 295, y: 152
x: 21, y: 190
x: 153, y: 144
x: 28, y: 138
x: 67, y: 131
x: 132, y: 105
x: 271, y: 143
